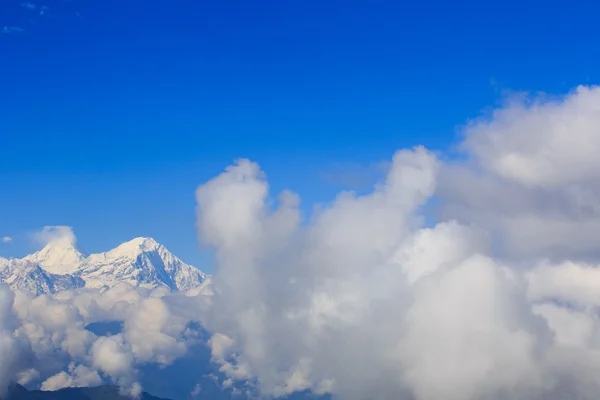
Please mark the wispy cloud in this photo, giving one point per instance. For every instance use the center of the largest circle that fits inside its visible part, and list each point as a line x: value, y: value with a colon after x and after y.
x: 12, y: 29
x: 56, y: 234
x: 36, y: 8
x: 6, y: 239
x: 28, y: 5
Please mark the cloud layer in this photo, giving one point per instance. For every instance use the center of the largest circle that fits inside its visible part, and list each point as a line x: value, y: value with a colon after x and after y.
x: 44, y: 341
x: 497, y: 298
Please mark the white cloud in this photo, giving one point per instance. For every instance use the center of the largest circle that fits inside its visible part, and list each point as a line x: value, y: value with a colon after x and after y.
x: 496, y: 299
x: 12, y: 29
x: 196, y: 391
x: 113, y: 356
x: 569, y: 282
x: 364, y: 286
x: 6, y: 239
x: 365, y: 301
x: 78, y: 376
x: 44, y: 341
x: 9, y: 348
x: 26, y: 376
x: 56, y: 234
x: 531, y: 176
x: 542, y: 142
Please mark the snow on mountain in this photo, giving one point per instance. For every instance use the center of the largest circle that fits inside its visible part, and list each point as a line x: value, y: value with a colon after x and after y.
x: 7, y: 267
x: 141, y: 262
x: 31, y: 278
x: 58, y: 257
x: 34, y: 280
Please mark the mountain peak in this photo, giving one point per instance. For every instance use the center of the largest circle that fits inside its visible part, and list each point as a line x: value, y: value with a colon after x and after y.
x: 144, y: 241
x: 58, y: 256
x: 139, y: 244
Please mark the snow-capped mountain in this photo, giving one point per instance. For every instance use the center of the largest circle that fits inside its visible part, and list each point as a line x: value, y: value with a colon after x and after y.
x: 58, y: 258
x: 141, y: 262
x: 31, y: 278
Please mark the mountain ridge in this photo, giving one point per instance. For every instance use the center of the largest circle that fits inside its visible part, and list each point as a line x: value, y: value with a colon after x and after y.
x: 60, y: 265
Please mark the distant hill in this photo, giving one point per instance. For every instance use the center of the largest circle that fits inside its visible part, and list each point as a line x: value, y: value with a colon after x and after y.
x: 18, y: 392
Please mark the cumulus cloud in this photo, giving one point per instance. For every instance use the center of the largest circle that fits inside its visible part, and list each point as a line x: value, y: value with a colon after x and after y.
x: 370, y: 297
x: 366, y: 299
x: 45, y: 342
x: 531, y: 176
x: 9, y: 353
x: 77, y: 376
x: 352, y: 302
x: 541, y: 141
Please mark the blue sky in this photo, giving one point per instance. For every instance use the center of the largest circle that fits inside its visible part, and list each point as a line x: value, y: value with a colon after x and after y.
x: 113, y: 111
